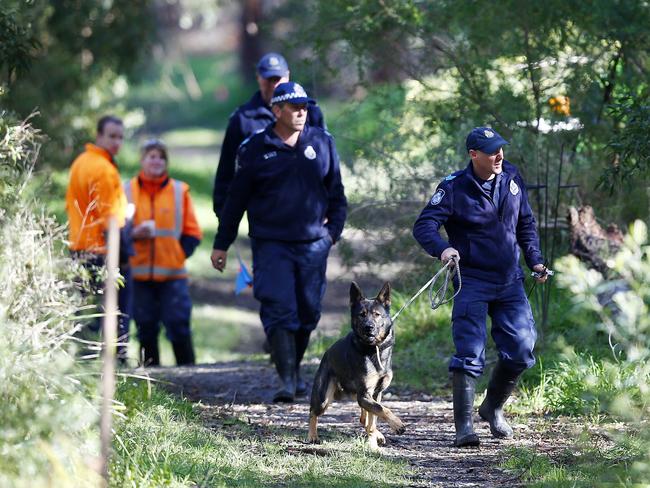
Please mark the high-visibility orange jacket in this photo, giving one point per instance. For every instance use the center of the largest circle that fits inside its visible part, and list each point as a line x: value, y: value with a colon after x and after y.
x: 94, y: 194
x: 166, y: 201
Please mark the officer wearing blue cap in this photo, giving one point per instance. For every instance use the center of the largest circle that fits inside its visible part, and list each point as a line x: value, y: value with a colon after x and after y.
x: 252, y: 117
x: 289, y: 182
x: 485, y: 211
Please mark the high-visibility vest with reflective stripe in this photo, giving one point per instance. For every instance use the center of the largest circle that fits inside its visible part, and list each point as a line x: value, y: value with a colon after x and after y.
x: 161, y: 258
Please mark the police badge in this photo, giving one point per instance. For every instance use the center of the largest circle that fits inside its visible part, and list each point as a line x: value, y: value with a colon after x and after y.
x: 310, y: 153
x: 514, y: 189
x: 437, y: 197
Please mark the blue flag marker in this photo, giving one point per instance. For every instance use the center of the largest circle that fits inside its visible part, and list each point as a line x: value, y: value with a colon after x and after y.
x: 243, y: 278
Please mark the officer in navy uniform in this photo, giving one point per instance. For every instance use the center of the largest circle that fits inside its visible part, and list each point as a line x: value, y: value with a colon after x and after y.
x: 252, y: 117
x: 485, y: 211
x: 288, y: 181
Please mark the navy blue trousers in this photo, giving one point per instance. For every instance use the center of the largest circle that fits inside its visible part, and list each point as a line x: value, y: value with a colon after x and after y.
x: 513, y: 326
x: 166, y: 302
x: 95, y: 264
x: 289, y: 282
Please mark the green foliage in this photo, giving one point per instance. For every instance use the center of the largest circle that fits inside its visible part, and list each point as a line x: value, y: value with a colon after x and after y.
x: 63, y: 58
x: 594, y: 461
x: 47, y: 420
x: 579, y: 385
x: 162, y: 442
x: 429, y: 71
x: 207, y: 101
x: 630, y: 145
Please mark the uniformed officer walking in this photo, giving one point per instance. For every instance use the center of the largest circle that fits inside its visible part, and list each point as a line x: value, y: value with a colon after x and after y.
x: 485, y: 211
x: 252, y: 117
x: 288, y: 180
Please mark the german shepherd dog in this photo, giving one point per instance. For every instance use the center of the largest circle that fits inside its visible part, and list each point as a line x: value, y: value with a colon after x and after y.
x: 360, y: 365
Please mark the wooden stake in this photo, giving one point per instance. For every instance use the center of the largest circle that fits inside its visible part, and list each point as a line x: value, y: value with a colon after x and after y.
x: 109, y: 345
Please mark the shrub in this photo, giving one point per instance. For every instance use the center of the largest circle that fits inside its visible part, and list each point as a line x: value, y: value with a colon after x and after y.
x: 47, y: 420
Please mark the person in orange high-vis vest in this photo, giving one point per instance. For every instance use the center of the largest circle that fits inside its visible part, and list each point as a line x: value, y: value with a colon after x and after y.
x: 165, y: 233
x: 94, y: 195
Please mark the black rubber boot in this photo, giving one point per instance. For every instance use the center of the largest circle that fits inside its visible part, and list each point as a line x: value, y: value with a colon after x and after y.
x: 283, y: 347
x: 302, y: 341
x: 464, y: 386
x: 183, y: 351
x: 502, y: 383
x: 149, y: 353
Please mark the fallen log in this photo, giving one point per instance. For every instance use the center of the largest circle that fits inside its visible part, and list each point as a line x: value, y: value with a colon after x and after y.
x: 589, y: 241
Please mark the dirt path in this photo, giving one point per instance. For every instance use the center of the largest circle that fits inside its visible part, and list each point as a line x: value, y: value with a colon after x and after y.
x: 234, y: 393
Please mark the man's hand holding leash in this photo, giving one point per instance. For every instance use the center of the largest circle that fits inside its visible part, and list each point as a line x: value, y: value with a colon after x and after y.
x: 541, y: 273
x: 450, y: 254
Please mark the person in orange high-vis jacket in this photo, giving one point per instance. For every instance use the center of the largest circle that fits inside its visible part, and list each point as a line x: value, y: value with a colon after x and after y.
x: 165, y: 233
x: 94, y: 195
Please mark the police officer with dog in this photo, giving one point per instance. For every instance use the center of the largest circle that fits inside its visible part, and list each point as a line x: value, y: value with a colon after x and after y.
x: 252, y: 117
x: 288, y: 181
x: 486, y: 214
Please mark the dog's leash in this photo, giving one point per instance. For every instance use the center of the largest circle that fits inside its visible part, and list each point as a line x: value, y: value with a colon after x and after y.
x: 438, y: 298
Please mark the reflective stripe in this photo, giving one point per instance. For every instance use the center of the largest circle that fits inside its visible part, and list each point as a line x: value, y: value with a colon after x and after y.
x: 178, y: 204
x: 158, y: 270
x: 165, y: 233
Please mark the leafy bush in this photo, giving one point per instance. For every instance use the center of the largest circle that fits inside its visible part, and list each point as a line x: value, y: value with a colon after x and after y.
x: 47, y: 420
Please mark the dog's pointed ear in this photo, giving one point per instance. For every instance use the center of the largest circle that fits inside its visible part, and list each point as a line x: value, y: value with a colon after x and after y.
x: 384, y: 295
x: 356, y: 295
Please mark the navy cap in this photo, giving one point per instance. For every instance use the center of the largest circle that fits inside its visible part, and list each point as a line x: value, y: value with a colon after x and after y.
x: 484, y: 139
x: 272, y: 64
x: 289, y: 92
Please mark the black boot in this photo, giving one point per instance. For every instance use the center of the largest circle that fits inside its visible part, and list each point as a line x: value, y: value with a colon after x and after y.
x: 302, y: 341
x: 502, y: 383
x: 183, y: 351
x: 283, y: 348
x: 464, y: 386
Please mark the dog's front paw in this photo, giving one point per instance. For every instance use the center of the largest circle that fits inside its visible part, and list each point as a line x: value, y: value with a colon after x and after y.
x: 373, y: 443
x: 397, y: 426
x: 381, y: 440
x: 313, y: 439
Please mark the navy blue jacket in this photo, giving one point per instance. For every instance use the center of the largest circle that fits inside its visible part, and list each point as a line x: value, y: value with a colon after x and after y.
x: 291, y: 194
x: 250, y: 118
x: 487, y: 236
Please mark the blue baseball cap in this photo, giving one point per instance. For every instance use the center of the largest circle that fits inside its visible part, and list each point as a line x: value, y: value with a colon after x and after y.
x: 484, y: 139
x: 289, y: 92
x: 272, y: 64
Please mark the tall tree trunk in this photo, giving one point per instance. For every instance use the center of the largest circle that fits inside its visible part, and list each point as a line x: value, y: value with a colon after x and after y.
x: 251, y: 46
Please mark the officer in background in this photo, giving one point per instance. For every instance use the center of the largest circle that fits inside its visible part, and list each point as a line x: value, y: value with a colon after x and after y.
x: 252, y: 117
x: 485, y: 211
x: 93, y: 196
x: 289, y: 182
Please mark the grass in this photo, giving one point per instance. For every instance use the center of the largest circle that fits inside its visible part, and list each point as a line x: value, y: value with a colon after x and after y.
x: 590, y: 462
x: 161, y: 441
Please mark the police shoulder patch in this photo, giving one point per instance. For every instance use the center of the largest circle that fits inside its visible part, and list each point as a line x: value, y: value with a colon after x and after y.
x: 437, y: 197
